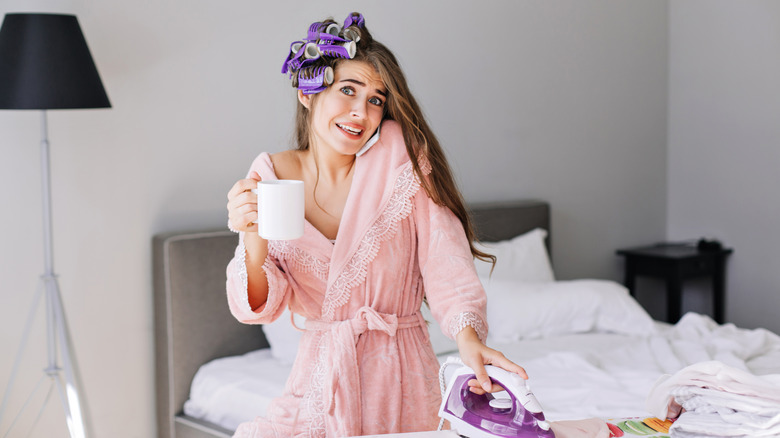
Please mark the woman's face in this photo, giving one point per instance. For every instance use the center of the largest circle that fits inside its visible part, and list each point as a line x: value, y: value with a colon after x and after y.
x: 346, y: 114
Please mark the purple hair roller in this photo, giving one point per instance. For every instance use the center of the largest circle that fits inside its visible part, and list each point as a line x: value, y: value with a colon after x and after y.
x: 325, y: 38
x: 354, y: 19
x: 346, y: 50
x: 323, y: 31
x: 293, y: 59
x: 315, y: 79
x: 351, y: 35
x: 295, y: 47
x: 308, y: 52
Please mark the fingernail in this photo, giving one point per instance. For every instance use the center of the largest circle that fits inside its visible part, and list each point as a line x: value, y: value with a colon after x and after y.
x: 486, y: 386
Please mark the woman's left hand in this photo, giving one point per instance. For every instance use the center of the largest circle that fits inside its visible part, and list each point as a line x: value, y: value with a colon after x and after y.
x: 476, y: 355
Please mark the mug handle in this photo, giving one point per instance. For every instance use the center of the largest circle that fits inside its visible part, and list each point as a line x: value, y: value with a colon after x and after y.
x: 256, y: 191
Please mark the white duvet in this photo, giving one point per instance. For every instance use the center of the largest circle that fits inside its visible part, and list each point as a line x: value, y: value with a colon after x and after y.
x: 601, y: 363
x: 609, y: 377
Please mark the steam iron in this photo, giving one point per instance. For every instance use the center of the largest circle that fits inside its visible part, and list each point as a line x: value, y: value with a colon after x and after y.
x: 485, y: 416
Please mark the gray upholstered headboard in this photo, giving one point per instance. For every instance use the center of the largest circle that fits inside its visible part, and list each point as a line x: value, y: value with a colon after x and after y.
x: 193, y: 324
x: 497, y: 221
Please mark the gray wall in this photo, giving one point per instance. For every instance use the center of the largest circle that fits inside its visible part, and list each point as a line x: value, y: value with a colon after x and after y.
x: 560, y: 100
x: 724, y: 145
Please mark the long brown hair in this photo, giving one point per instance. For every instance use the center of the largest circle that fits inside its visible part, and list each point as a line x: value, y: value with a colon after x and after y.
x: 420, y: 140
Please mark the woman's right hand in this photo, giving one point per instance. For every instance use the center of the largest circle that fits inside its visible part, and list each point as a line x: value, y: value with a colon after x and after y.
x: 242, y: 204
x: 242, y: 216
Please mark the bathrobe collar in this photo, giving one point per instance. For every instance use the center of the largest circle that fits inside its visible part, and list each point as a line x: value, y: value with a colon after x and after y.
x: 380, y: 197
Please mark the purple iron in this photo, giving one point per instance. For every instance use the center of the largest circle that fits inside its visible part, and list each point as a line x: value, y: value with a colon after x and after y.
x: 484, y: 416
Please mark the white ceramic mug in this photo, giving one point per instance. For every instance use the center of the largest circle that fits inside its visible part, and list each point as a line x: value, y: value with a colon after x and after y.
x: 280, y: 209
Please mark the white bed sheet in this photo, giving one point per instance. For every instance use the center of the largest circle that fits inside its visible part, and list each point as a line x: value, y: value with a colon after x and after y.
x: 231, y: 390
x: 610, y: 376
x: 586, y: 375
x: 574, y: 376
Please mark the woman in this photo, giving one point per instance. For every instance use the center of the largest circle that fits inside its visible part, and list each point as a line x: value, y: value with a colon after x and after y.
x: 386, y: 227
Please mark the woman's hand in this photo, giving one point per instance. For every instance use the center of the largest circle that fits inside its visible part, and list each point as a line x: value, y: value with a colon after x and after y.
x: 242, y: 216
x: 476, y: 355
x: 242, y: 204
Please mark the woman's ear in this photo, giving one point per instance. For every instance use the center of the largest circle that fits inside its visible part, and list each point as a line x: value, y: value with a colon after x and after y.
x: 304, y: 99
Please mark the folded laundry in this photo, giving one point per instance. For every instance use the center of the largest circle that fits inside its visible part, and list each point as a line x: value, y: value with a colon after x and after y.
x: 718, y: 400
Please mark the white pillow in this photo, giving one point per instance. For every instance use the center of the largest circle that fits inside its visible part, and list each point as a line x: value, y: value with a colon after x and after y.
x: 283, y: 337
x: 522, y: 258
x: 523, y: 310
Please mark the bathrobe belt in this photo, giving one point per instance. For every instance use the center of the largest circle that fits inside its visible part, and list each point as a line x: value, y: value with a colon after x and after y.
x: 343, y: 401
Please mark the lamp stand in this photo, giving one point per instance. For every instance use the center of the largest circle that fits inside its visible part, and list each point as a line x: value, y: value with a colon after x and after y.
x: 64, y: 378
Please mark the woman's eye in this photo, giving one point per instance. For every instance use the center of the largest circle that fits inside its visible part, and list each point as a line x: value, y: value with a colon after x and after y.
x: 348, y: 91
x: 376, y: 101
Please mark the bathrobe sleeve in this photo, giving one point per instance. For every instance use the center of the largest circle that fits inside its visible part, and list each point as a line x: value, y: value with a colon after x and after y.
x: 238, y: 298
x: 455, y: 294
x: 279, y: 288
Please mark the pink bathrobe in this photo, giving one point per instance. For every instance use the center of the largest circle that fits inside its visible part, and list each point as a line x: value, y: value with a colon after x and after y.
x: 365, y: 364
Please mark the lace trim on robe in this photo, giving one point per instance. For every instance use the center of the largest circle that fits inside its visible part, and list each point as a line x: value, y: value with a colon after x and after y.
x: 283, y: 250
x: 268, y: 266
x: 314, y: 398
x: 241, y: 265
x: 464, y: 319
x: 397, y: 209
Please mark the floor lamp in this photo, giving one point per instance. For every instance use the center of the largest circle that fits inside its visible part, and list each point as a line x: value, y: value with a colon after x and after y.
x: 45, y: 64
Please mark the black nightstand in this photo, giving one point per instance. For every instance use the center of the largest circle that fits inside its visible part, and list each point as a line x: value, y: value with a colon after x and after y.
x: 676, y: 263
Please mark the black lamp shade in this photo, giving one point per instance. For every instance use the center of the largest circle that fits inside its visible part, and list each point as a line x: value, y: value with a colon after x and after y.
x: 45, y: 64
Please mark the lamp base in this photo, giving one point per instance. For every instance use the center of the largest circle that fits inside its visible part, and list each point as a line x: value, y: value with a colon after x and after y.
x: 63, y: 378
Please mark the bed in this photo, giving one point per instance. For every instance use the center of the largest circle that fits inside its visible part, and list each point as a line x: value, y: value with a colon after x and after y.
x: 589, y: 348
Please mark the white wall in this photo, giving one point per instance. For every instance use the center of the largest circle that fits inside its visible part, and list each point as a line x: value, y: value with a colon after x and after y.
x: 724, y: 144
x: 559, y: 100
